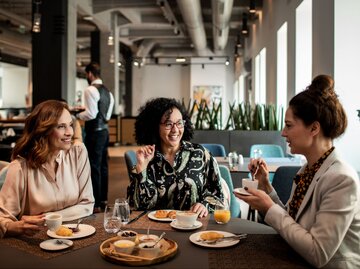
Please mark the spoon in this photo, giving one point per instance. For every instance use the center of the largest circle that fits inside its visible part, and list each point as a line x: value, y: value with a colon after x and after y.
x: 60, y: 242
x: 160, y: 237
x: 76, y: 229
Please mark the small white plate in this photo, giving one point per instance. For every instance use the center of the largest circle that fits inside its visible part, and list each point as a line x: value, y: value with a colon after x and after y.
x: 151, y: 216
x: 84, y: 230
x: 52, y: 245
x: 222, y: 244
x: 242, y: 191
x: 197, y: 225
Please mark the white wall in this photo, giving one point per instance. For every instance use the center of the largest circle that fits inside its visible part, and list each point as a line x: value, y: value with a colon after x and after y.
x: 347, y: 70
x: 15, y: 83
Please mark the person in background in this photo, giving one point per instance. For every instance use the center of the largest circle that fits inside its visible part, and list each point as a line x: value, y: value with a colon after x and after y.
x: 171, y: 172
x: 48, y: 173
x: 321, y: 221
x: 99, y: 103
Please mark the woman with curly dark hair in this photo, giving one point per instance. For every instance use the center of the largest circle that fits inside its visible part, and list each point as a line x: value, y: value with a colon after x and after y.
x: 321, y: 221
x: 171, y: 172
x: 48, y: 173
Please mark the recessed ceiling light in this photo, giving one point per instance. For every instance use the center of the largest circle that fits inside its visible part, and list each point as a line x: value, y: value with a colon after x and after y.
x: 88, y: 18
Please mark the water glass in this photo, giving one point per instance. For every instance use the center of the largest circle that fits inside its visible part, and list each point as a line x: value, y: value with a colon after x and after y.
x: 123, y: 209
x: 257, y: 153
x: 233, y: 159
x: 112, y: 220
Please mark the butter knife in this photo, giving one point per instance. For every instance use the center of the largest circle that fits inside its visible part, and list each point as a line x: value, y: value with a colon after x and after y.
x: 138, y: 217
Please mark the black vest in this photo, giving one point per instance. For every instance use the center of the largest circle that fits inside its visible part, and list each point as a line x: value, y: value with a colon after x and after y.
x: 100, y: 122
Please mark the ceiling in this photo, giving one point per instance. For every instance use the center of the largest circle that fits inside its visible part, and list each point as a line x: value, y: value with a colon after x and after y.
x: 152, y: 29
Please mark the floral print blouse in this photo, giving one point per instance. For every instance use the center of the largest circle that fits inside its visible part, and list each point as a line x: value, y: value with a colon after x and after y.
x: 193, y: 177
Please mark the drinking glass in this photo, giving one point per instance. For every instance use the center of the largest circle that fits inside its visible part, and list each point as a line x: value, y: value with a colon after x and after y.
x: 222, y: 212
x: 112, y: 220
x: 233, y: 159
x: 123, y: 209
x: 257, y: 153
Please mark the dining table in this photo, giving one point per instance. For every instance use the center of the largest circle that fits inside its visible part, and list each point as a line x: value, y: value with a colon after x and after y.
x: 262, y: 248
x: 240, y: 171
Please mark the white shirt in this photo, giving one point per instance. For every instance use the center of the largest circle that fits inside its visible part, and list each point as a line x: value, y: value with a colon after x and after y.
x: 91, y: 99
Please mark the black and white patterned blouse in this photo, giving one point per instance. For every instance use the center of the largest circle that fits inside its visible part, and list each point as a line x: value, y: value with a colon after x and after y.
x: 194, y: 176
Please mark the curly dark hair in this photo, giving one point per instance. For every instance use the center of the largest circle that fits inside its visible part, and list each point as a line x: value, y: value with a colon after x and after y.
x: 319, y: 102
x: 148, y: 121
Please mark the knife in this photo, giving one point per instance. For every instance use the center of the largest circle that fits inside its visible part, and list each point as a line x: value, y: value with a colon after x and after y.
x: 138, y: 217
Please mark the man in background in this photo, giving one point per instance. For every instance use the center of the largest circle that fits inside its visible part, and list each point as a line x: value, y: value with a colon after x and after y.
x: 99, y: 103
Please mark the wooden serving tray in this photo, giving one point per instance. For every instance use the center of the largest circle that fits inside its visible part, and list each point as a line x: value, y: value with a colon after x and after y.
x: 107, y: 251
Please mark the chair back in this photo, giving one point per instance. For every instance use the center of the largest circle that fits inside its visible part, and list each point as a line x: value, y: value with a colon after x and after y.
x: 130, y: 159
x: 3, y: 171
x: 283, y: 180
x: 234, y: 203
x: 217, y: 150
x: 268, y: 150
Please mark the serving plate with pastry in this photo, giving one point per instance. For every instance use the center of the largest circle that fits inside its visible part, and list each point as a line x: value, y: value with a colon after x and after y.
x: 215, y: 239
x: 65, y: 231
x: 165, y: 215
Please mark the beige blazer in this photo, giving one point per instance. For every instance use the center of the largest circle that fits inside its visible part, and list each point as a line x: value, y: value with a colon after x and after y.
x: 326, y: 230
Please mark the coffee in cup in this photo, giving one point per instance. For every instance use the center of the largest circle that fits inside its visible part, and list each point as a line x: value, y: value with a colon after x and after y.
x: 186, y: 219
x: 53, y: 221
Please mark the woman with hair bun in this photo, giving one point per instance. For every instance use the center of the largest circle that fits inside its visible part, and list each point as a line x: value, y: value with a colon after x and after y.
x: 321, y: 220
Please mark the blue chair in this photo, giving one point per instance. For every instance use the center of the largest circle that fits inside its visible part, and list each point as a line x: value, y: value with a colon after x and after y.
x: 234, y: 203
x: 217, y: 150
x: 3, y: 171
x: 130, y: 159
x: 268, y: 150
x: 283, y: 181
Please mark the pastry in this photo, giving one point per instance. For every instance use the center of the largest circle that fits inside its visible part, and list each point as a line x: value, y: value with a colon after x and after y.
x: 171, y: 214
x: 161, y: 214
x: 64, y: 231
x: 211, y: 236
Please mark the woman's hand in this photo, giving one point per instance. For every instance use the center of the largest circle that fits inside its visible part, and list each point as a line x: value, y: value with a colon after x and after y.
x: 259, y: 200
x: 200, y: 209
x: 143, y: 156
x: 28, y: 225
x: 259, y: 167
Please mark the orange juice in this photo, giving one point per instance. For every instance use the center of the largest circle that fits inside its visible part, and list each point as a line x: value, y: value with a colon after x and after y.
x: 222, y: 216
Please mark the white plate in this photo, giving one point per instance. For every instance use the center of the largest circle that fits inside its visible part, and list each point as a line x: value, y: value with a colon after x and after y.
x: 85, y: 230
x: 52, y: 245
x: 151, y: 215
x: 241, y: 191
x: 222, y: 244
x: 197, y: 225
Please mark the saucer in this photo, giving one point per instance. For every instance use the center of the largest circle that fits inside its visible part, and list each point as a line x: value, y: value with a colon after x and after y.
x: 53, y: 246
x: 197, y: 225
x: 241, y: 191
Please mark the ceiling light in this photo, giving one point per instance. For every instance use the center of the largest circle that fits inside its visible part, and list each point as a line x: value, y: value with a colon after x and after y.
x: 36, y: 27
x: 245, y: 28
x: 88, y: 18
x: 180, y: 60
x: 227, y: 62
x: 110, y: 41
x: 252, y: 8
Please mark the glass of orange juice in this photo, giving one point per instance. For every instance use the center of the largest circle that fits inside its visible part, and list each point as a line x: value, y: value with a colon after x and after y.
x: 222, y: 212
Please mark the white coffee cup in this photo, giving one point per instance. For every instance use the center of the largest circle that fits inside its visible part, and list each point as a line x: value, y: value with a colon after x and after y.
x: 53, y: 221
x: 249, y: 183
x: 186, y: 218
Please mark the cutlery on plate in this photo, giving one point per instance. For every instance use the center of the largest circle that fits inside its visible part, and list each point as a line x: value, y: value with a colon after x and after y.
x: 60, y: 242
x: 138, y: 217
x: 213, y: 242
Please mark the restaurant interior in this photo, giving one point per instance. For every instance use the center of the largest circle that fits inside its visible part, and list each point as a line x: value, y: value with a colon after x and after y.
x: 230, y: 53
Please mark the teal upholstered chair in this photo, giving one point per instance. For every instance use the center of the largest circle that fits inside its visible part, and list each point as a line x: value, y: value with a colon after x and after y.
x: 217, y: 150
x: 234, y: 203
x: 130, y: 159
x: 3, y: 171
x: 268, y: 150
x: 283, y: 181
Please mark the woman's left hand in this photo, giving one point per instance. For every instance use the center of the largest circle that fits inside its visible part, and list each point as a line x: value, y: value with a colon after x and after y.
x: 258, y: 200
x: 200, y: 209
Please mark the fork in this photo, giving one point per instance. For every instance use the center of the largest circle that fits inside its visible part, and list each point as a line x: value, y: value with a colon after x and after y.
x: 60, y: 242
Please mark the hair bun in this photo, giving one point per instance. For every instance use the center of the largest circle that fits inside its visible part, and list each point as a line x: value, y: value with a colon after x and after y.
x: 323, y: 85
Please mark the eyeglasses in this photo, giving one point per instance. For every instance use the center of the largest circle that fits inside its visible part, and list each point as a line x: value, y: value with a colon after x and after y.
x: 169, y: 124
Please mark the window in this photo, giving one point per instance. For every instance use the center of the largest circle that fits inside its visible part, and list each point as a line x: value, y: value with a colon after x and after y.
x: 260, y: 77
x: 281, y: 74
x: 303, y: 45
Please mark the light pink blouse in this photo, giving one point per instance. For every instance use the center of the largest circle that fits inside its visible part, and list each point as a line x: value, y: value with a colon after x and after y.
x: 28, y: 191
